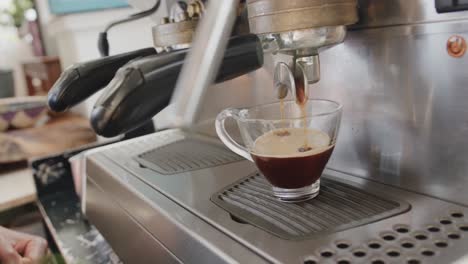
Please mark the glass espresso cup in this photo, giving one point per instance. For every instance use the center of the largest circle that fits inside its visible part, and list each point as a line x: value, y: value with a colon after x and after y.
x: 290, y: 144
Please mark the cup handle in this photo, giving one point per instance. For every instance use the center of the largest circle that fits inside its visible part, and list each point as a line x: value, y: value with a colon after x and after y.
x: 224, y: 135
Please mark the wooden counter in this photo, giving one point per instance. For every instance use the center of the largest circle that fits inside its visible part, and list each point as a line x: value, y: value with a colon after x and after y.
x: 16, y: 188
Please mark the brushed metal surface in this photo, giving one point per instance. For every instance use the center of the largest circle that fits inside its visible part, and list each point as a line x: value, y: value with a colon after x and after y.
x: 203, y: 60
x: 379, y: 13
x: 405, y: 120
x: 273, y: 16
x: 148, y: 195
x: 338, y: 207
x: 175, y: 33
x: 186, y: 155
x: 184, y: 234
x: 405, y: 125
x: 129, y: 250
x: 404, y: 98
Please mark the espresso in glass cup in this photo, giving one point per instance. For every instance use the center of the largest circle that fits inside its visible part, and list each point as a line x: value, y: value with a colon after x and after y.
x: 289, y: 143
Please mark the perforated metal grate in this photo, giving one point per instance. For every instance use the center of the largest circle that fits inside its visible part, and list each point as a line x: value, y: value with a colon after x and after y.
x: 186, y: 155
x: 400, y: 245
x: 338, y: 207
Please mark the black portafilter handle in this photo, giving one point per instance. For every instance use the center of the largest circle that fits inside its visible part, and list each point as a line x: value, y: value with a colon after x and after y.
x: 82, y: 80
x: 144, y: 87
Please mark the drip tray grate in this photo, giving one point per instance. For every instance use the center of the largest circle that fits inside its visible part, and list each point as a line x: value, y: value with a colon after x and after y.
x: 186, y: 155
x: 338, y: 207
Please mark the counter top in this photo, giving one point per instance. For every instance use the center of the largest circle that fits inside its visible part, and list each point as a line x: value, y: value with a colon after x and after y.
x: 16, y: 188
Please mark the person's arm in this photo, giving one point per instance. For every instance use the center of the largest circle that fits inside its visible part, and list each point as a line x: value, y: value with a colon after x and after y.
x: 20, y: 248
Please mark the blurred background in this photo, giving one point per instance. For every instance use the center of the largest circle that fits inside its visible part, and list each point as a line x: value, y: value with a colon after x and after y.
x: 56, y: 34
x: 38, y: 40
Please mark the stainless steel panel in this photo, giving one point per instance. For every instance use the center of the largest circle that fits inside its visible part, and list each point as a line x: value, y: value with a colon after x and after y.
x: 405, y: 124
x: 186, y: 155
x: 378, y: 13
x: 136, y: 244
x: 190, y: 238
x: 190, y: 193
x: 338, y: 207
x: 405, y: 118
x: 203, y: 60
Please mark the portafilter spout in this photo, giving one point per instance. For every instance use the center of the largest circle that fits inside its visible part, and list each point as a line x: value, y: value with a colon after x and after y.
x: 300, y: 29
x: 305, y: 71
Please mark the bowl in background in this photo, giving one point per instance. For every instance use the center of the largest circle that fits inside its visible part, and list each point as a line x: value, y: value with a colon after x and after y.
x: 22, y: 112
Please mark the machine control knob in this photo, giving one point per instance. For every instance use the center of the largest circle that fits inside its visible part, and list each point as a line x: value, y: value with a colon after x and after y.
x: 456, y: 46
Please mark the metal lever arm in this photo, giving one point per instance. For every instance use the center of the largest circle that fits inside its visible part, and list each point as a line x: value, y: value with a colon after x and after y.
x: 81, y: 80
x: 144, y: 87
x: 208, y: 46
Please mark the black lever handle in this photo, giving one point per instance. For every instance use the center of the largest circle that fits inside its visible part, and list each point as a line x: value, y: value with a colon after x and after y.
x: 81, y: 80
x: 144, y: 87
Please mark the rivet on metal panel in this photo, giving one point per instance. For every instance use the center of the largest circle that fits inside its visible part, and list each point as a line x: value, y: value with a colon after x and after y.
x: 343, y: 244
x: 433, y: 229
x: 457, y: 214
x: 393, y: 253
x: 413, y: 261
x: 388, y: 236
x: 310, y: 261
x: 374, y: 245
x: 359, y: 253
x: 420, y: 236
x: 407, y: 244
x: 445, y: 221
x: 441, y: 244
x: 343, y: 261
x: 454, y: 236
x: 326, y: 253
x: 401, y: 228
x: 427, y: 252
x: 456, y: 46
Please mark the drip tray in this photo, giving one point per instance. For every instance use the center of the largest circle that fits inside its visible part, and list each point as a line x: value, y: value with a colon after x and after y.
x: 338, y: 207
x: 186, y: 155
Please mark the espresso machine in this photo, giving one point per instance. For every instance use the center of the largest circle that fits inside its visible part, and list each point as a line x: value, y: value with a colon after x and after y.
x: 394, y: 190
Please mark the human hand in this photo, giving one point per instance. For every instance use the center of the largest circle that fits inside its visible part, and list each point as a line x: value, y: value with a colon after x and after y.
x: 20, y: 248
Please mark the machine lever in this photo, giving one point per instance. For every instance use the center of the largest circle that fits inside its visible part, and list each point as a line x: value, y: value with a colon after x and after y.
x: 81, y: 80
x: 144, y: 87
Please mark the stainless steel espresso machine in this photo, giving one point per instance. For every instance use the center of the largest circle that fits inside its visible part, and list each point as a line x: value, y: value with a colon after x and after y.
x: 394, y: 190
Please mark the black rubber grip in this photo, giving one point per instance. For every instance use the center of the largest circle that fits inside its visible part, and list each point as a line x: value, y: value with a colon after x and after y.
x: 81, y: 80
x: 103, y: 44
x: 144, y: 87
